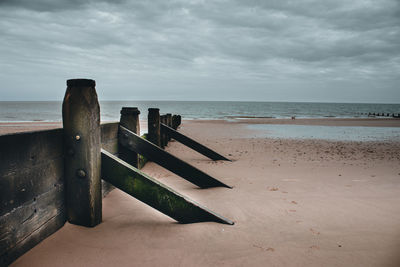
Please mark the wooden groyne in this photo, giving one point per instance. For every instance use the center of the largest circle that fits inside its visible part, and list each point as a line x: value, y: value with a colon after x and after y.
x: 381, y: 114
x: 50, y: 177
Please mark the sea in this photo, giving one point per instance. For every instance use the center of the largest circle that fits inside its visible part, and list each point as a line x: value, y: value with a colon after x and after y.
x: 21, y: 111
x: 51, y: 111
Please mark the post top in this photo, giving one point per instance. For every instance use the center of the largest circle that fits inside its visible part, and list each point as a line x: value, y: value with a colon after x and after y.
x: 81, y: 82
x: 154, y: 109
x: 129, y: 110
x: 169, y: 114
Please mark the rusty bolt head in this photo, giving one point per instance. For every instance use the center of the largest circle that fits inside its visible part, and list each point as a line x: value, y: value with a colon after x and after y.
x: 77, y: 137
x: 81, y: 173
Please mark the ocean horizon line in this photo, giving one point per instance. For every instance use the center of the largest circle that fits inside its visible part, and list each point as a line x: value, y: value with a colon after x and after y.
x: 222, y: 101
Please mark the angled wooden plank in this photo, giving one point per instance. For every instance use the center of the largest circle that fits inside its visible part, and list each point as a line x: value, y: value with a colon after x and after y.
x: 187, y: 141
x: 25, y: 226
x: 153, y: 193
x: 167, y: 160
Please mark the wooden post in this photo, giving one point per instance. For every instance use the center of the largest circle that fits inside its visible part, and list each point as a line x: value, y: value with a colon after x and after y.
x: 163, y: 119
x: 130, y: 120
x: 153, y: 121
x: 82, y: 163
x: 169, y: 124
x: 174, y: 121
x: 179, y: 120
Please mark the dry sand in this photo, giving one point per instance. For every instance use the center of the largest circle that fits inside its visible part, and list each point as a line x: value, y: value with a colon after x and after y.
x: 17, y: 127
x: 294, y: 203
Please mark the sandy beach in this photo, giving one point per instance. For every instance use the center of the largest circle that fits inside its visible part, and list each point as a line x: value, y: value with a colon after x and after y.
x: 304, y: 202
x: 18, y: 127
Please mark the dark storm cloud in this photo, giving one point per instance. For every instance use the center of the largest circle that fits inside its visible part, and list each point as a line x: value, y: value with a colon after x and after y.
x: 50, y: 5
x: 277, y: 50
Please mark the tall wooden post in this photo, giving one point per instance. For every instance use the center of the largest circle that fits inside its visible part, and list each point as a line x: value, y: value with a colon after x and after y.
x: 153, y: 125
x: 174, y: 122
x: 163, y: 119
x: 179, y: 120
x: 81, y: 122
x: 169, y: 123
x: 130, y: 120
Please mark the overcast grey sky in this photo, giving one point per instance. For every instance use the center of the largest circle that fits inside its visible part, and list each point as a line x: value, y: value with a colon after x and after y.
x: 306, y: 50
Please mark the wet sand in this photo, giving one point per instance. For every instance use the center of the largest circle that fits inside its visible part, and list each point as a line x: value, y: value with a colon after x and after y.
x: 294, y: 203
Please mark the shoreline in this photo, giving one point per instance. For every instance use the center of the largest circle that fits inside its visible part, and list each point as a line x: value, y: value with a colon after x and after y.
x: 14, y: 127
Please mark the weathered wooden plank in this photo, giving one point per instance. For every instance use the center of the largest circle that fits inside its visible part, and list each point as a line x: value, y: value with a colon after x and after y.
x: 109, y: 142
x: 25, y: 184
x: 109, y: 131
x: 109, y: 137
x: 111, y: 146
x: 167, y: 160
x: 31, y: 162
x: 25, y: 150
x: 27, y: 225
x: 48, y: 228
x: 82, y: 141
x: 142, y: 159
x: 31, y: 178
x: 153, y: 193
x: 187, y: 141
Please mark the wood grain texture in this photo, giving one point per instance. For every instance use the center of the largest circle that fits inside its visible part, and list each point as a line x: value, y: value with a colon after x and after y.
x: 153, y: 125
x: 30, y: 164
x: 27, y: 225
x: 130, y: 120
x: 82, y: 141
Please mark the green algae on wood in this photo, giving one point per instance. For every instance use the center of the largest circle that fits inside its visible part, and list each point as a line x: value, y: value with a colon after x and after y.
x: 153, y: 193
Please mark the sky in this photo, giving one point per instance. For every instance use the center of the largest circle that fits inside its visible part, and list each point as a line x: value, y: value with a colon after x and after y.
x: 243, y: 50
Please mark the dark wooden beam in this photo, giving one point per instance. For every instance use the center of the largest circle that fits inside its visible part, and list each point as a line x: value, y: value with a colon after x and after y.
x: 179, y: 120
x: 153, y: 193
x: 163, y: 136
x: 167, y: 160
x: 130, y: 120
x: 24, y: 227
x: 153, y: 125
x: 169, y: 123
x: 81, y: 122
x: 174, y: 122
x: 187, y: 141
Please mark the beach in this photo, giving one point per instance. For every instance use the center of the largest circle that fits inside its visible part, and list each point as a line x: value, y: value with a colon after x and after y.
x: 295, y: 202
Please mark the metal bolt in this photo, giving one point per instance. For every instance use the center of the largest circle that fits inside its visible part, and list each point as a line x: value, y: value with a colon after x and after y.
x: 77, y: 138
x: 81, y: 173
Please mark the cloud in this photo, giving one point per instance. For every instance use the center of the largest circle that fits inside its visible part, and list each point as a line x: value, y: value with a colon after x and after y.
x: 211, y: 46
